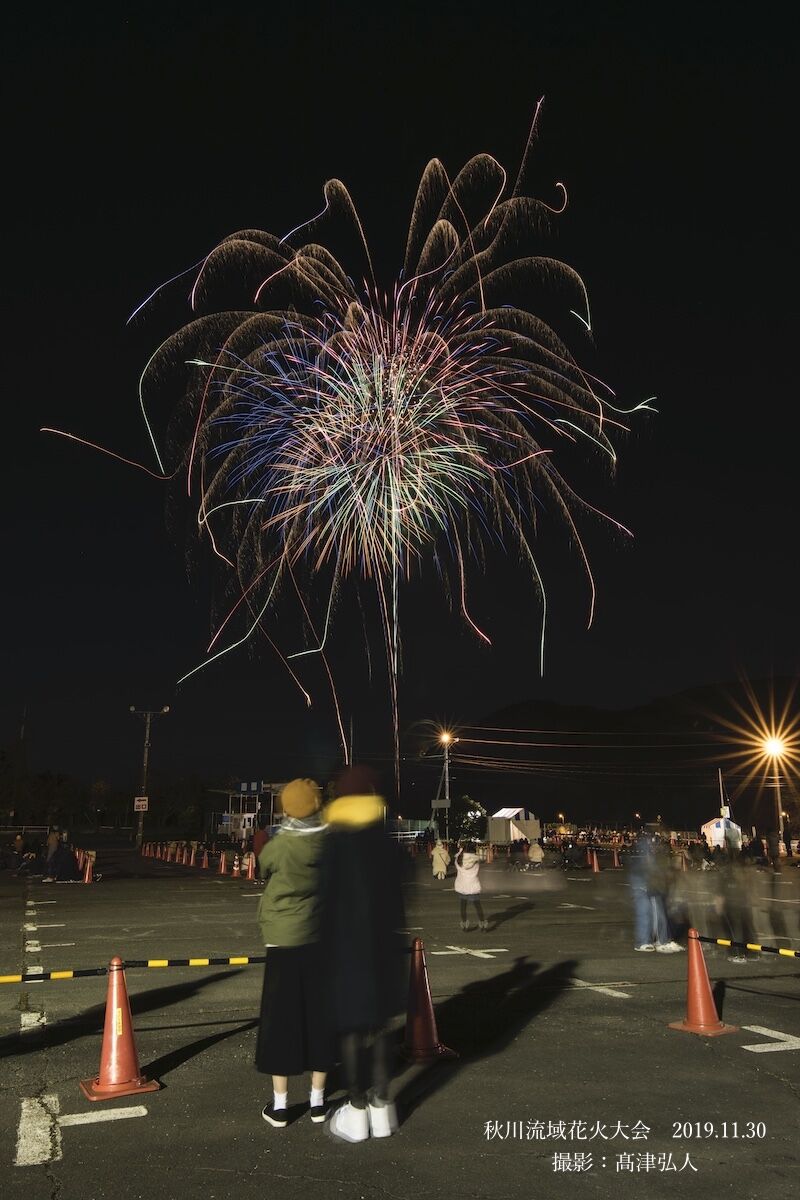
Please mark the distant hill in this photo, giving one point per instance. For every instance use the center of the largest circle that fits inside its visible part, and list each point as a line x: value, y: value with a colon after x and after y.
x: 661, y: 758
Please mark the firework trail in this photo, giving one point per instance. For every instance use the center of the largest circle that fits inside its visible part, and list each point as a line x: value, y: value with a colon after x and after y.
x: 341, y: 432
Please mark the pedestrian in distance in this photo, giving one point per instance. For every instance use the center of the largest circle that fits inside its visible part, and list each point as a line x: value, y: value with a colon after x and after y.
x: 468, y: 885
x: 440, y: 860
x: 294, y: 1032
x: 367, y: 966
x: 648, y: 878
x: 536, y: 854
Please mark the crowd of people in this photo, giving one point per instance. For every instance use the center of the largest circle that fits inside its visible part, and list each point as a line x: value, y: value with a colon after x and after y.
x: 49, y: 859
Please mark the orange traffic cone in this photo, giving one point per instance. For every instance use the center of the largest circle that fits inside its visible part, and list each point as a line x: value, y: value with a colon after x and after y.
x: 119, y: 1066
x: 595, y: 863
x: 223, y: 863
x: 701, y: 1011
x: 236, y: 873
x: 87, y: 874
x: 251, y: 866
x: 193, y: 857
x: 204, y: 863
x: 617, y: 863
x: 684, y: 864
x: 588, y: 857
x: 422, y: 1038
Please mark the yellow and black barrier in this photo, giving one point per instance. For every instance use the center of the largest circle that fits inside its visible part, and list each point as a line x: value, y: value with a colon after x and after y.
x: 749, y: 946
x: 239, y: 960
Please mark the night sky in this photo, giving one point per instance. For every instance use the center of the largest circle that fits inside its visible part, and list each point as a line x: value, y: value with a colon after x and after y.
x: 135, y: 143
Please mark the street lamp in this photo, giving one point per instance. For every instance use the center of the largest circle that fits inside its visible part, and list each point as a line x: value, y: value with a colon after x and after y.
x: 775, y: 748
x: 148, y: 714
x: 447, y: 740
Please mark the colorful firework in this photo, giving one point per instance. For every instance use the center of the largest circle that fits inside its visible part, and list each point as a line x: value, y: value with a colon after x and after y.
x: 334, y: 430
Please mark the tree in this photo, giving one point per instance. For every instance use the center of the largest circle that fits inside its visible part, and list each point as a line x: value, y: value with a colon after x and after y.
x: 468, y: 818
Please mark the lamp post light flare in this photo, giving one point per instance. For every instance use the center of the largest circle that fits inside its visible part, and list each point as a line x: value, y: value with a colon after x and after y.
x: 775, y: 748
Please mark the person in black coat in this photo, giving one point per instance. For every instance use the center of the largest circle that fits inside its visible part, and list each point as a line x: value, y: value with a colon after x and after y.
x: 367, y: 967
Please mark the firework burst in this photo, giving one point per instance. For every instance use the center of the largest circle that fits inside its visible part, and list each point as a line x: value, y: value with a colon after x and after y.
x: 334, y: 430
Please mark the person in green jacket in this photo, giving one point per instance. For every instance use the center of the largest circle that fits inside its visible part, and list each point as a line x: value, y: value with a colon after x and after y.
x: 294, y: 1032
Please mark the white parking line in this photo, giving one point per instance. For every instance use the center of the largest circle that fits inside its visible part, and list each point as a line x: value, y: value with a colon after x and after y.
x: 32, y: 947
x: 488, y: 953
x: 38, y: 1135
x: 112, y: 1114
x: 599, y: 987
x: 29, y: 1021
x: 783, y: 1041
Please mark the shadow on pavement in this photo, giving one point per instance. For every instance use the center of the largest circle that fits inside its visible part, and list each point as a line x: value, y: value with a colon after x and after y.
x: 91, y: 1020
x: 508, y: 914
x: 176, y: 1058
x: 483, y: 1019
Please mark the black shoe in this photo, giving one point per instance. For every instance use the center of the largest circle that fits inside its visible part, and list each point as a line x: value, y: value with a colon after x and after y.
x: 279, y: 1118
x: 318, y: 1112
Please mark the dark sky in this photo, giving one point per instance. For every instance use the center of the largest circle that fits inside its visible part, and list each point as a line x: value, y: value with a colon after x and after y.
x: 134, y: 143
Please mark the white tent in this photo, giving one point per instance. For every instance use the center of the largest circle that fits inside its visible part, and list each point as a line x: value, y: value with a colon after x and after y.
x: 721, y: 830
x: 511, y: 824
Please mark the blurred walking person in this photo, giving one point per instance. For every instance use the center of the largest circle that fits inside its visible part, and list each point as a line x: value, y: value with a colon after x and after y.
x: 648, y: 877
x: 294, y: 1032
x: 367, y: 968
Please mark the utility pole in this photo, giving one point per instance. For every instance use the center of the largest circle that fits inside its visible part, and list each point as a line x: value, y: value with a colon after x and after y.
x: 148, y: 714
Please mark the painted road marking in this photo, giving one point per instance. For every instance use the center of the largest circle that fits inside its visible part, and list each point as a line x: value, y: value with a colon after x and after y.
x: 785, y: 1041
x: 33, y: 903
x: 112, y: 1114
x: 29, y: 1021
x: 32, y: 947
x: 34, y: 971
x: 599, y: 987
x: 31, y: 928
x: 38, y: 1136
x: 488, y: 953
x: 55, y: 945
x: 39, y: 1132
x: 585, y: 907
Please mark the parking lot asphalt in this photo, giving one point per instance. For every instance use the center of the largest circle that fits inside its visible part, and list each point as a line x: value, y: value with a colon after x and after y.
x: 568, y: 1078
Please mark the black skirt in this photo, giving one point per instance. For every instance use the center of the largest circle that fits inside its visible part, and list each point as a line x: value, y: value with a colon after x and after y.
x: 294, y: 1032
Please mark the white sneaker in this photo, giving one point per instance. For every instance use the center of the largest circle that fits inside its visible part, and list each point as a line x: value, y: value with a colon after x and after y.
x: 350, y: 1124
x: 645, y: 946
x: 668, y: 948
x: 382, y: 1119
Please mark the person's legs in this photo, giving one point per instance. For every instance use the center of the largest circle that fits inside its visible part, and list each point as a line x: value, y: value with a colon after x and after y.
x: 381, y: 1070
x: 642, y: 916
x: 482, y: 922
x: 351, y: 1121
x: 463, y: 908
x: 660, y: 923
x: 382, y: 1112
x: 353, y: 1068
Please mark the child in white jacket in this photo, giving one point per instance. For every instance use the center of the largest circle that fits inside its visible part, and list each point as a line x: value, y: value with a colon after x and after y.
x: 468, y: 885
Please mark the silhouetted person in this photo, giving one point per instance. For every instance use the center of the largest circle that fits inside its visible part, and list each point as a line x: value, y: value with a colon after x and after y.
x: 367, y: 967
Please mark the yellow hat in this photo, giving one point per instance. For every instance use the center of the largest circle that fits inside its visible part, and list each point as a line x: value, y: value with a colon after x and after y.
x: 300, y: 798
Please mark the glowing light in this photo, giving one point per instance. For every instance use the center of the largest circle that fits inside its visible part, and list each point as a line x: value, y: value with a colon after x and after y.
x: 774, y: 747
